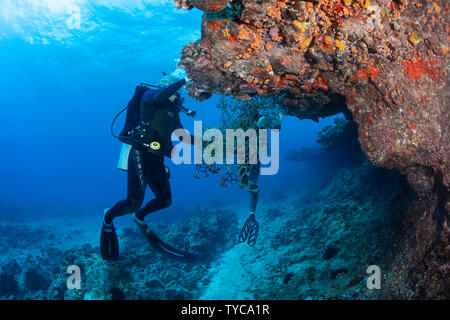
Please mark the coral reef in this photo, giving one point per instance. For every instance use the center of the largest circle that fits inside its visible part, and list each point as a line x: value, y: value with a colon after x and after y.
x: 8, y: 285
x: 28, y: 262
x: 320, y: 57
x: 421, y: 268
x: 318, y: 246
x: 342, y: 133
x: 339, y: 232
x: 184, y: 4
x: 315, y: 246
x: 209, y: 5
x: 384, y: 61
x: 141, y: 273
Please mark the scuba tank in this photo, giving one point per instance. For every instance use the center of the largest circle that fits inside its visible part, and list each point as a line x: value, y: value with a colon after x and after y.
x: 150, y: 137
x: 123, y: 158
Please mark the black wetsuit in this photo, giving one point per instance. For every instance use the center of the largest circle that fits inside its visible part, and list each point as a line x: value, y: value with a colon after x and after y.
x: 145, y: 168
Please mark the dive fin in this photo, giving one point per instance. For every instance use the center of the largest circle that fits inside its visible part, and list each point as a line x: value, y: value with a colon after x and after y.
x: 249, y: 231
x: 109, y: 245
x: 160, y: 245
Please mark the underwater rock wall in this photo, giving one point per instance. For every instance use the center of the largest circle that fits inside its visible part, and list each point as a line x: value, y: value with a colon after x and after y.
x: 386, y: 58
x: 338, y: 232
x: 385, y: 61
x: 342, y: 133
x: 319, y: 245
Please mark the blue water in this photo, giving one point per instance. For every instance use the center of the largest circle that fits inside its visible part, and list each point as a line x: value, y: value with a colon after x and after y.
x: 60, y: 86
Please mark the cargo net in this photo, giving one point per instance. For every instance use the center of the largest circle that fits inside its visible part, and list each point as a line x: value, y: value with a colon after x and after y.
x: 257, y: 113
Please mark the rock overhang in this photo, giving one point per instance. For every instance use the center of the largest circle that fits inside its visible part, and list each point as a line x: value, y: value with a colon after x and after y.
x: 384, y: 61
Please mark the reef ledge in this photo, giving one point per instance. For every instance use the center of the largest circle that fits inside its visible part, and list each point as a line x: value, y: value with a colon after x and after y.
x: 382, y: 61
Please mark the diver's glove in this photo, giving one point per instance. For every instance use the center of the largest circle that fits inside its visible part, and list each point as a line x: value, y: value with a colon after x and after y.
x: 249, y: 231
x: 188, y: 112
x: 187, y: 79
x: 191, y: 113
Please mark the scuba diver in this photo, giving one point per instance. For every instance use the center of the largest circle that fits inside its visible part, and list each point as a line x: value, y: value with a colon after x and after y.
x: 249, y: 182
x: 250, y: 173
x: 152, y: 116
x: 256, y: 113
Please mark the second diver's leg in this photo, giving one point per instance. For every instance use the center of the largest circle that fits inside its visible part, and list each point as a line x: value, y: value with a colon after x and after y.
x: 253, y: 201
x: 249, y: 231
x: 250, y: 181
x: 253, y: 187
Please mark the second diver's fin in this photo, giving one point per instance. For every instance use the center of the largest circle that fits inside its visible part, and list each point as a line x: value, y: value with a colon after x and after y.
x: 249, y: 231
x: 160, y: 245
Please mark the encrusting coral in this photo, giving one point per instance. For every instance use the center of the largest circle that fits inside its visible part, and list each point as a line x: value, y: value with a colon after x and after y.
x: 209, y: 5
x: 384, y: 61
